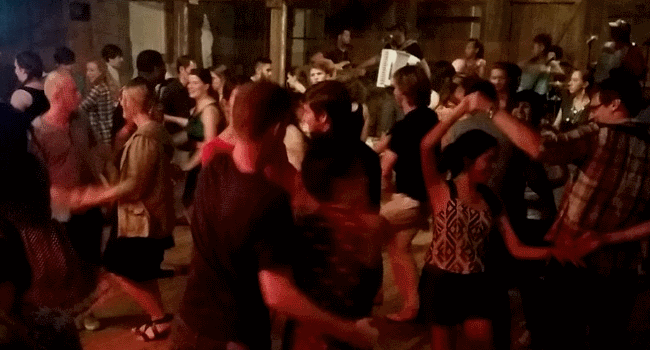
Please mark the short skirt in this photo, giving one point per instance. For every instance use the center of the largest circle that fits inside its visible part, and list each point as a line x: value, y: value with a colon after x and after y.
x: 448, y: 298
x: 136, y: 258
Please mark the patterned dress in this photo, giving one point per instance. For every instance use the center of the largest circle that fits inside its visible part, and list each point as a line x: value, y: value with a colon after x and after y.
x: 453, y: 286
x: 459, y: 235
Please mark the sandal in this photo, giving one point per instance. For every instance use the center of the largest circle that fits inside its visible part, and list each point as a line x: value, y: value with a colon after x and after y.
x: 150, y: 332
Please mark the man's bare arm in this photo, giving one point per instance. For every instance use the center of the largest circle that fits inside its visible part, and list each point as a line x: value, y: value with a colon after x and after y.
x: 633, y: 233
x: 281, y: 295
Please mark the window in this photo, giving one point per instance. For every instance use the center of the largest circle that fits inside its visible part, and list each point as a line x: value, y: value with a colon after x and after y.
x: 306, y: 34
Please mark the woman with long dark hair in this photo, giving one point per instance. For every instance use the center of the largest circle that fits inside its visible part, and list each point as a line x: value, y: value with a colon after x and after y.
x: 505, y: 78
x: 472, y: 63
x: 454, y: 289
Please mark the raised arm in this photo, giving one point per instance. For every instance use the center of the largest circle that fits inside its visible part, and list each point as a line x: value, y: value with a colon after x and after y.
x: 425, y: 66
x: 433, y: 179
x: 523, y: 136
x: 481, y: 68
x: 292, y: 82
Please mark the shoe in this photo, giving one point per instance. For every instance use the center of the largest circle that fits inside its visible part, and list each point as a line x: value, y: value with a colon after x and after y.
x: 151, y: 331
x: 91, y: 323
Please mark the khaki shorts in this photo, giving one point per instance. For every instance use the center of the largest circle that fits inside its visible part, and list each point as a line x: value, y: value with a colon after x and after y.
x: 404, y: 212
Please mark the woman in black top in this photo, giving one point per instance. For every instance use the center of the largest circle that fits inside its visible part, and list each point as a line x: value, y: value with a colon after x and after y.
x: 572, y: 111
x: 29, y: 98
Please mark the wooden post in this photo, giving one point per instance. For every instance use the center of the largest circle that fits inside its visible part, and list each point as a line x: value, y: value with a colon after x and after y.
x: 496, y: 30
x: 180, y: 27
x: 171, y: 35
x: 278, y: 39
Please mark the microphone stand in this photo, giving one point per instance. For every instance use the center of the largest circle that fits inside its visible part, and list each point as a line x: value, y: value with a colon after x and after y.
x: 647, y: 61
x: 589, y: 44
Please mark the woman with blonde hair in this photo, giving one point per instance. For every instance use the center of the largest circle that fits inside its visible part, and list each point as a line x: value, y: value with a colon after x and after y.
x: 100, y: 101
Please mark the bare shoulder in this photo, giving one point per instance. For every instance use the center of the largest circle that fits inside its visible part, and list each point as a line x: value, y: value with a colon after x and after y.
x: 21, y: 99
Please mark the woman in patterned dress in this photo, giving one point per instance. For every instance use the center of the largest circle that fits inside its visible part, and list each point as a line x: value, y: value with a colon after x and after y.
x: 454, y: 290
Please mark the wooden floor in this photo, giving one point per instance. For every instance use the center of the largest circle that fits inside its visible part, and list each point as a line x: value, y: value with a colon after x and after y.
x: 122, y: 313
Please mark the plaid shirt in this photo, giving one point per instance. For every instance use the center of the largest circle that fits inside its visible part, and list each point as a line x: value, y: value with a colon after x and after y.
x: 99, y: 106
x: 612, y: 188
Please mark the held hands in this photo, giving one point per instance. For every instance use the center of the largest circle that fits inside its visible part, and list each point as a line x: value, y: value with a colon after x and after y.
x: 74, y: 199
x: 574, y: 250
x: 477, y: 102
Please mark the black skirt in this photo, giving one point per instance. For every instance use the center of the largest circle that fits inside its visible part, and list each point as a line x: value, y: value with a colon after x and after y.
x: 137, y: 258
x: 448, y: 298
x: 190, y: 185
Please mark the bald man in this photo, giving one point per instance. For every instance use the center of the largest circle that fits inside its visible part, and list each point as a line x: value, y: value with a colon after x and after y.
x: 61, y: 141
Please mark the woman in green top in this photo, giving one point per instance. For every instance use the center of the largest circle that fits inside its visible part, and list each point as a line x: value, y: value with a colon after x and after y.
x: 205, y: 123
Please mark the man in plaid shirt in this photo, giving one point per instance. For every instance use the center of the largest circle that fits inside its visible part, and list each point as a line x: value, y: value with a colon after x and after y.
x: 604, y: 210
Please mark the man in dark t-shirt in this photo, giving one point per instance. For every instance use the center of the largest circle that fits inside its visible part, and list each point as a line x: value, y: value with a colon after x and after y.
x: 240, y: 225
x: 406, y: 209
x: 341, y: 53
x: 233, y: 242
x: 337, y: 256
x: 328, y: 119
x: 399, y: 41
x: 174, y: 97
x: 151, y: 68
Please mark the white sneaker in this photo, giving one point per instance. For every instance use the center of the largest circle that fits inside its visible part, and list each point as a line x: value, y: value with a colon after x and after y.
x: 91, y: 323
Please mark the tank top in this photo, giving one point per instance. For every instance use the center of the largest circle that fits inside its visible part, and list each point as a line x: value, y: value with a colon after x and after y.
x: 39, y: 105
x: 571, y: 117
x: 460, y: 233
x: 195, y: 129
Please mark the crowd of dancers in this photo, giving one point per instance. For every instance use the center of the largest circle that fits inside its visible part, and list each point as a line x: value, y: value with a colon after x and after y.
x: 292, y: 194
